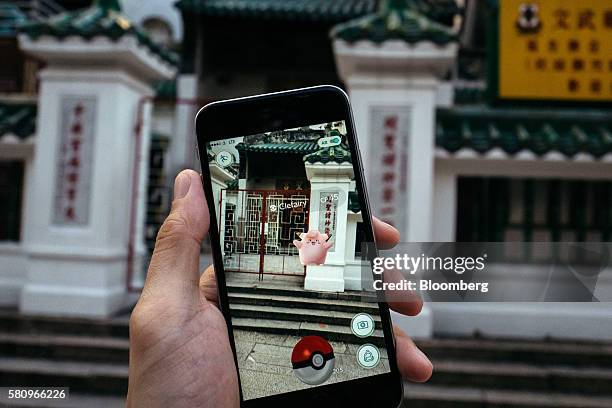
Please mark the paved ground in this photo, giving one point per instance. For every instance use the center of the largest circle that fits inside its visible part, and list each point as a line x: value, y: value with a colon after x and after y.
x: 265, y: 359
x: 265, y: 363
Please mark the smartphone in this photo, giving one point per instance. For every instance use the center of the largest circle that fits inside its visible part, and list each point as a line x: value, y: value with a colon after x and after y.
x: 289, y: 213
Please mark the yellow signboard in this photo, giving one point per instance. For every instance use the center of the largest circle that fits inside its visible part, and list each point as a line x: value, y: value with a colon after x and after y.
x: 555, y: 49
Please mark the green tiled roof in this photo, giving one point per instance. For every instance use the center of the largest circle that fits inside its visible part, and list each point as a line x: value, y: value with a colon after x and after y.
x: 297, y: 148
x: 18, y: 119
x: 337, y: 154
x: 103, y: 18
x: 395, y: 20
x: 10, y: 17
x: 313, y: 10
x: 540, y: 131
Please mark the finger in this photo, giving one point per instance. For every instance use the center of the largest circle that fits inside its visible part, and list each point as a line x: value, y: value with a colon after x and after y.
x: 406, y: 302
x: 412, y: 363
x: 175, y: 261
x: 208, y: 285
x: 410, y: 306
x: 387, y: 236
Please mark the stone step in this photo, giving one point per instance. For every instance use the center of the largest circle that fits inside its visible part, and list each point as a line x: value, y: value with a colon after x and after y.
x: 337, y: 305
x: 12, y: 321
x: 86, y: 377
x: 532, y: 352
x: 435, y: 396
x: 65, y: 347
x: 296, y: 314
x: 525, y: 377
x: 329, y: 331
x: 292, y: 289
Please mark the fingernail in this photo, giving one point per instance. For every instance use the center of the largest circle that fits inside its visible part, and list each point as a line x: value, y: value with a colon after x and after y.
x: 181, y: 185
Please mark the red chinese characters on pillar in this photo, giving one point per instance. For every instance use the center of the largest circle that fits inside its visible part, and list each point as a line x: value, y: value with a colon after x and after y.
x: 73, y: 162
x: 328, y: 215
x: 388, y: 161
x: 329, y: 211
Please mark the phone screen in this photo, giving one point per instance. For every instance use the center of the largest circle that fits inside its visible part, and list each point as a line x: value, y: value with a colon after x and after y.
x: 291, y: 230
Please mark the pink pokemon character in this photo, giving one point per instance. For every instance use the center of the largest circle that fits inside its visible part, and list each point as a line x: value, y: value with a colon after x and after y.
x: 313, y: 247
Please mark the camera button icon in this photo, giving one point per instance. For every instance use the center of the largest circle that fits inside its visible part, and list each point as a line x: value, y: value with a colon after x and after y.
x: 362, y: 325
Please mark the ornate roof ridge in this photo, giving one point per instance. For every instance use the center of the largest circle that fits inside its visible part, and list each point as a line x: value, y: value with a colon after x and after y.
x: 333, y: 154
x: 102, y: 19
x: 395, y: 20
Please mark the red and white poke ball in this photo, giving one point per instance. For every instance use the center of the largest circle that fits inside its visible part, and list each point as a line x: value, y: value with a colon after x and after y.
x: 313, y: 360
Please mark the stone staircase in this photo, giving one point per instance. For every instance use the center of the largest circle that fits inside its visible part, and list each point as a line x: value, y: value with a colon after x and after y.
x: 272, y: 307
x: 91, y: 357
x: 511, y: 373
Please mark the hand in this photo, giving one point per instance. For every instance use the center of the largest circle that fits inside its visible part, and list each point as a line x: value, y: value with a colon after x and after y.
x: 179, y: 348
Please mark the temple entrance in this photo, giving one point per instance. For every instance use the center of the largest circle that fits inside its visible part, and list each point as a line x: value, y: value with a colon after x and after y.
x: 258, y: 227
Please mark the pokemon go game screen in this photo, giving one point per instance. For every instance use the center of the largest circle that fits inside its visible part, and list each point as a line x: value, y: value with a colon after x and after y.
x: 291, y: 230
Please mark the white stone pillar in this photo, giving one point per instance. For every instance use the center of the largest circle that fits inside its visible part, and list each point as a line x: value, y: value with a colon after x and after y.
x: 398, y: 81
x: 182, y: 150
x: 327, y: 180
x: 219, y: 178
x: 352, y: 271
x: 87, y: 195
x: 393, y: 87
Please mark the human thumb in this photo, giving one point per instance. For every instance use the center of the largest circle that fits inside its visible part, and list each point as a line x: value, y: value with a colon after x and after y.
x: 175, y: 260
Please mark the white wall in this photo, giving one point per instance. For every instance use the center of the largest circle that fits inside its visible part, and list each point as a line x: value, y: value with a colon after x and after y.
x: 579, y: 321
x: 12, y: 273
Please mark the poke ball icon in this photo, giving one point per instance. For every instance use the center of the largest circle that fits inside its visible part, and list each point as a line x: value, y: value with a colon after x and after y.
x: 313, y: 360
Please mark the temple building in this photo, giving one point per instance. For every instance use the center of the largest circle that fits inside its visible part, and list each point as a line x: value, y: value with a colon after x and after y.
x: 476, y: 123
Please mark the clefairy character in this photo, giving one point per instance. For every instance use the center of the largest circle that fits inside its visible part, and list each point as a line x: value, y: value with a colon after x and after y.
x: 313, y: 247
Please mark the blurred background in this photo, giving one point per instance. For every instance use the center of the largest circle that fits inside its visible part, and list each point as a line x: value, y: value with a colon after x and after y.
x: 478, y: 121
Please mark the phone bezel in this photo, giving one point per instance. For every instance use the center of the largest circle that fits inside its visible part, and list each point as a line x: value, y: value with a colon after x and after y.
x: 278, y: 111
